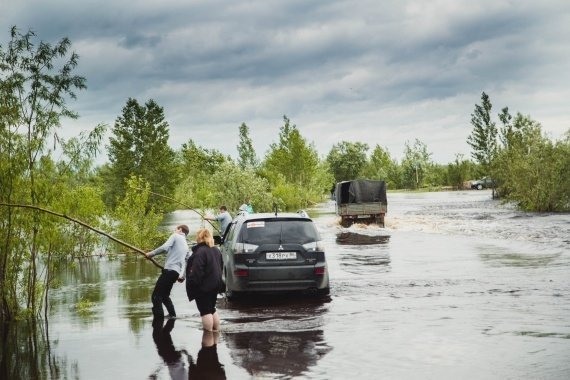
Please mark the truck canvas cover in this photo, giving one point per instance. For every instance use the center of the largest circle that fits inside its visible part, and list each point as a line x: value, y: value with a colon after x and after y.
x: 361, y: 191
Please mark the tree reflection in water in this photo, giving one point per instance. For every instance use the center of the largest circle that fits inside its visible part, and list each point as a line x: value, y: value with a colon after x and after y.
x: 25, y: 353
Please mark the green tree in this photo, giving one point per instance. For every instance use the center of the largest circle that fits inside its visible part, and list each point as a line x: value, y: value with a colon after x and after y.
x: 293, y: 163
x: 247, y: 159
x: 347, y: 160
x: 416, y: 164
x: 381, y: 166
x: 198, y: 165
x: 483, y: 137
x: 232, y: 185
x: 436, y: 175
x: 532, y: 171
x: 139, y: 147
x: 35, y: 83
x: 292, y: 156
x: 459, y: 171
x: 137, y: 220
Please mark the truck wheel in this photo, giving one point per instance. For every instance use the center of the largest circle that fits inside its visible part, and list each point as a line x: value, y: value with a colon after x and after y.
x: 479, y: 187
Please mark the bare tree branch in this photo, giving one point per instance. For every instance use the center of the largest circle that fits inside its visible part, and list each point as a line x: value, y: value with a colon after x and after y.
x: 86, y: 226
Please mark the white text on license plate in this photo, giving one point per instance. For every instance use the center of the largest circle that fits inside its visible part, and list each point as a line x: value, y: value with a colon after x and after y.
x: 281, y: 255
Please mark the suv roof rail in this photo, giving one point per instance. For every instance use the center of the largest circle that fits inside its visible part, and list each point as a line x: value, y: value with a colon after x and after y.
x: 242, y: 213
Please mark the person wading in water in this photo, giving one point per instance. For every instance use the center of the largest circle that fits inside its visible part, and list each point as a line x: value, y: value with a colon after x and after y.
x: 176, y: 248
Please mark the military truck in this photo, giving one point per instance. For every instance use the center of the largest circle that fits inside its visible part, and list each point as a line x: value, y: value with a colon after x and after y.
x: 361, y: 201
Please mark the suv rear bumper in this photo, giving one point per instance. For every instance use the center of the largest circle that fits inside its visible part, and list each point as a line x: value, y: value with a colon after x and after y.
x: 244, y: 284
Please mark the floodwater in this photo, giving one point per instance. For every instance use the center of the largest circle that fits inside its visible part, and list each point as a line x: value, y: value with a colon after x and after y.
x: 456, y: 286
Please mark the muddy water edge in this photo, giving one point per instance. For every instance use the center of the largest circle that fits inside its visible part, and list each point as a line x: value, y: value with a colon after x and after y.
x: 456, y: 285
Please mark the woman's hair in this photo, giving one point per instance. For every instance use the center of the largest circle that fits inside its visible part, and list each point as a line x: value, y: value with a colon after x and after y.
x: 204, y: 236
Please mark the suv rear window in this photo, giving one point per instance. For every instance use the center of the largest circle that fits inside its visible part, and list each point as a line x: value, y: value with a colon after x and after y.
x: 260, y: 232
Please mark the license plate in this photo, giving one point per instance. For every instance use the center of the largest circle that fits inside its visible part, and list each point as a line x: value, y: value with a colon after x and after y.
x: 281, y: 255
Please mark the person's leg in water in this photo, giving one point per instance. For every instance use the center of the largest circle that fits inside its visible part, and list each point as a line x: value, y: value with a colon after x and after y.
x: 207, y: 322
x: 210, y: 317
x: 216, y: 321
x: 211, y: 322
x: 161, y: 293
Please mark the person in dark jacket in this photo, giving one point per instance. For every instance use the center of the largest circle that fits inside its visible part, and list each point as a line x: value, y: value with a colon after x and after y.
x: 205, y: 278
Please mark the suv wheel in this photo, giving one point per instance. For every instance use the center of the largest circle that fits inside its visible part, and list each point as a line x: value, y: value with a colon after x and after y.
x: 231, y: 295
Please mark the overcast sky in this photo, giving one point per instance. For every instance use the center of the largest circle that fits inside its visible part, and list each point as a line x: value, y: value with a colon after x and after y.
x: 375, y: 71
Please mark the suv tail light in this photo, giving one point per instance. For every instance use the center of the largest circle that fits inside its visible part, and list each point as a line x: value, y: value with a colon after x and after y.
x: 319, y: 271
x: 314, y: 246
x: 245, y: 248
x: 241, y: 273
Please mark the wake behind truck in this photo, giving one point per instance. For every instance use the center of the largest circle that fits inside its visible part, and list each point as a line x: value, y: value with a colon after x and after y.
x: 361, y: 201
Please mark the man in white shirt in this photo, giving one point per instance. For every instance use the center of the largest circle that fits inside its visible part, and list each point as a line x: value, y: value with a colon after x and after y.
x: 176, y: 248
x: 223, y: 217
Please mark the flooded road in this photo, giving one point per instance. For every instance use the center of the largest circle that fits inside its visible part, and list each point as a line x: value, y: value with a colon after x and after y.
x: 455, y: 286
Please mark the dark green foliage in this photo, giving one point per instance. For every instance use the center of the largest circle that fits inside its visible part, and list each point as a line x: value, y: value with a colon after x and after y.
x: 36, y: 80
x: 416, y: 165
x: 136, y: 219
x: 483, y: 138
x: 292, y: 157
x: 459, y: 172
x: 293, y: 169
x: 530, y: 170
x: 347, y: 160
x: 198, y: 165
x: 139, y: 147
x: 247, y: 159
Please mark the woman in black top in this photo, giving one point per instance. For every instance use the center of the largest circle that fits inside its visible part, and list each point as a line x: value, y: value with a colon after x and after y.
x: 205, y: 278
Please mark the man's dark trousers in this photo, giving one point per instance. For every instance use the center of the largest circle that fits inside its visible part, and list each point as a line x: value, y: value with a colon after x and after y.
x: 161, y: 293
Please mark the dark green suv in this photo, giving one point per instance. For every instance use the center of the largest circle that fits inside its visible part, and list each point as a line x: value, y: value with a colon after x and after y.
x: 484, y: 183
x: 271, y: 253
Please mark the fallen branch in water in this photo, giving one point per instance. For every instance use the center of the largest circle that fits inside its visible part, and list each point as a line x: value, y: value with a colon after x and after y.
x: 86, y: 226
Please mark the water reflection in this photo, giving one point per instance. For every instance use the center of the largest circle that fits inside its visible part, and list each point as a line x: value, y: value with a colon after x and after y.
x: 275, y: 338
x: 173, y: 358
x: 207, y: 365
x: 353, y: 238
x: 82, y: 291
x: 180, y: 364
x: 498, y: 257
x: 25, y: 353
x: 135, y: 288
x: 363, y: 254
x: 287, y: 354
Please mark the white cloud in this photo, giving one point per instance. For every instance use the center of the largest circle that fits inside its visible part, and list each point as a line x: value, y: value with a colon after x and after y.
x: 380, y: 72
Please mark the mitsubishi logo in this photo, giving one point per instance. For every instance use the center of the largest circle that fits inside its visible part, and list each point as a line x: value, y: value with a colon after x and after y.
x: 280, y: 247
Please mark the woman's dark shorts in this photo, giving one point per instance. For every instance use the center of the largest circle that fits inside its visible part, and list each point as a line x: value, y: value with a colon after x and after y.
x: 206, y: 303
